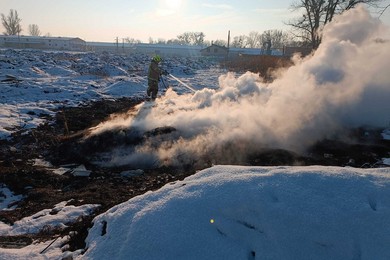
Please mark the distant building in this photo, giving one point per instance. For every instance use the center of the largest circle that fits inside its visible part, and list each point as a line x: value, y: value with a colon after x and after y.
x: 223, y: 52
x: 165, y: 50
x: 215, y: 51
x: 42, y: 42
x: 168, y: 49
x: 235, y: 52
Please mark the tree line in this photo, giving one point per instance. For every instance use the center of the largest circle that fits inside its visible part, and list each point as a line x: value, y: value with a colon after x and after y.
x: 317, y: 13
x: 12, y: 24
x: 306, y: 28
x: 275, y: 38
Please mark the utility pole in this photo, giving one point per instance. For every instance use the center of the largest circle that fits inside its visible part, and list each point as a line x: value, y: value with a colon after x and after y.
x: 228, y: 46
x: 117, y: 43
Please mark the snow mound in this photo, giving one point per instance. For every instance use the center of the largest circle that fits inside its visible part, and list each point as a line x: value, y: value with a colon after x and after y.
x: 236, y: 212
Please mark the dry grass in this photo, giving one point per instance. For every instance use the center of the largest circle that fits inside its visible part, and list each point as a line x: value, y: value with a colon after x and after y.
x: 265, y: 65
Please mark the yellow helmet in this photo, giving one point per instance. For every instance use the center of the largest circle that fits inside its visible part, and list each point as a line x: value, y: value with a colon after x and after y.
x: 157, y: 58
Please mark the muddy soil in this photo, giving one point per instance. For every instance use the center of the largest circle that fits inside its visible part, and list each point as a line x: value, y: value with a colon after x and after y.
x: 42, y: 188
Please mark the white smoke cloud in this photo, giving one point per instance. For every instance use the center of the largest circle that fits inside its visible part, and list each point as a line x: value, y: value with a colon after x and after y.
x: 345, y: 83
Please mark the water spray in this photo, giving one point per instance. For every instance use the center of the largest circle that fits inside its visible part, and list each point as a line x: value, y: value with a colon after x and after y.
x: 181, y: 82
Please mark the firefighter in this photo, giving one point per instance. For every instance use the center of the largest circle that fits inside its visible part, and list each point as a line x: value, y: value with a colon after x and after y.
x: 154, y: 74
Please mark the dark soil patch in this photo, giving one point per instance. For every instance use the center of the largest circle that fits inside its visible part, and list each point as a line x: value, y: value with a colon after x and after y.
x: 42, y: 189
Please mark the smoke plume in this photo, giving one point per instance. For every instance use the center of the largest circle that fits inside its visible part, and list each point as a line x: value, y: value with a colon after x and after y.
x: 345, y: 83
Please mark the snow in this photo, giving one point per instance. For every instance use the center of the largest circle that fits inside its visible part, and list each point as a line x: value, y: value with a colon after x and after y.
x: 386, y: 161
x: 46, y: 81
x: 236, y: 212
x: 7, y: 198
x: 42, y: 82
x: 224, y: 212
x: 55, y: 218
x: 81, y: 171
x: 33, y: 251
x: 386, y: 134
x: 58, y: 217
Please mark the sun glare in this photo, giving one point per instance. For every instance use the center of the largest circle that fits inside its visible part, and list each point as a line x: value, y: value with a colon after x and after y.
x: 173, y: 4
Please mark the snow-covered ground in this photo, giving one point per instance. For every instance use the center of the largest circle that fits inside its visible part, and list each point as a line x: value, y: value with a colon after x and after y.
x: 228, y: 212
x: 55, y: 218
x: 34, y: 83
x: 225, y: 212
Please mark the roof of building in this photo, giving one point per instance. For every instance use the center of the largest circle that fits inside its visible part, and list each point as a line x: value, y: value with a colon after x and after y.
x: 215, y: 45
x: 41, y: 37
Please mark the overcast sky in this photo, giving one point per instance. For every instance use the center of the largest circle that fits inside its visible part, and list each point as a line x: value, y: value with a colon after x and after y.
x: 101, y: 20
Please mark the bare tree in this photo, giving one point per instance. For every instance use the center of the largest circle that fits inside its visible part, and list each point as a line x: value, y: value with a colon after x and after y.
x: 174, y: 42
x: 198, y: 38
x: 253, y: 40
x: 11, y: 23
x: 185, y: 38
x: 34, y: 30
x: 206, y: 43
x: 383, y: 10
x: 191, y: 38
x: 220, y: 42
x: 277, y: 38
x: 161, y: 41
x: 317, y: 13
x: 239, y: 41
x: 131, y: 41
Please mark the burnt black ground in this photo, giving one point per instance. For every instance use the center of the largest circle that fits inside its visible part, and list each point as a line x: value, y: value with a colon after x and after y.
x: 58, y: 141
